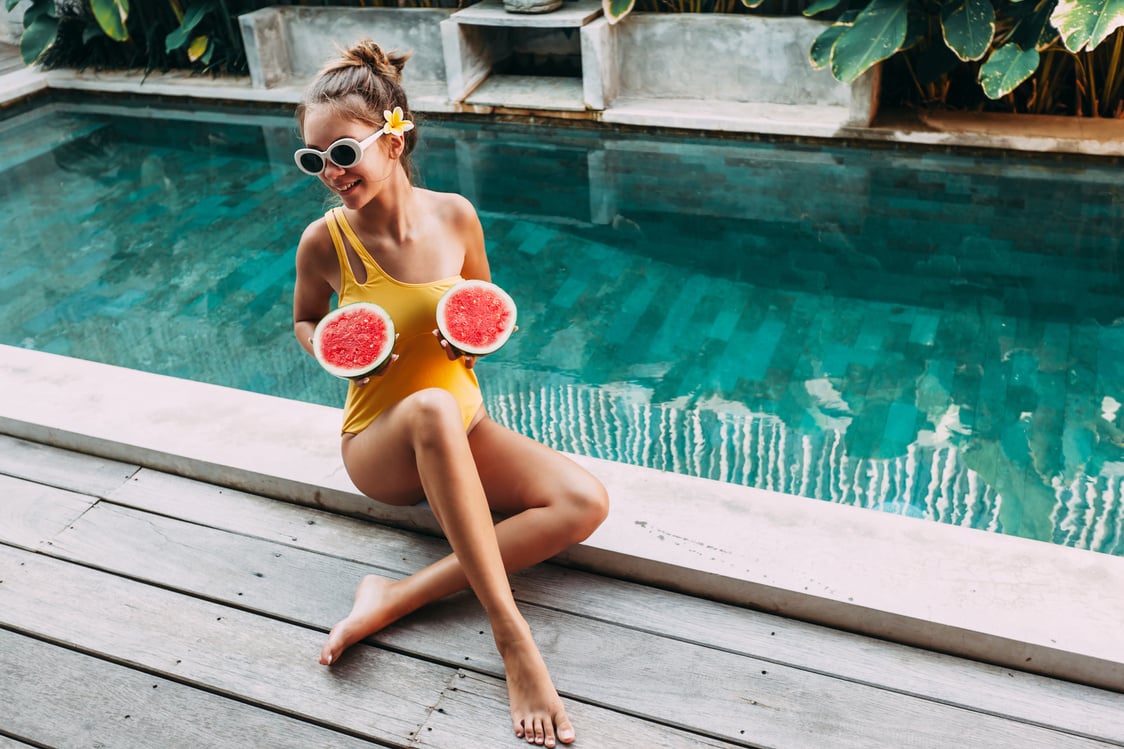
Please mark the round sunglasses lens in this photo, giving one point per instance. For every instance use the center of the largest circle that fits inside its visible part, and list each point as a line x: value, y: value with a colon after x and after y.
x: 311, y: 163
x: 344, y: 155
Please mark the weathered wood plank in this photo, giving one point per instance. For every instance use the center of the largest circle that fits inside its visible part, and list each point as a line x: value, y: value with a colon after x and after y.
x: 7, y: 743
x: 57, y: 697
x: 31, y: 513
x: 375, y: 694
x: 64, y: 469
x: 246, y: 571
x: 284, y: 522
x: 481, y: 702
x: 684, y: 684
x: 1028, y: 697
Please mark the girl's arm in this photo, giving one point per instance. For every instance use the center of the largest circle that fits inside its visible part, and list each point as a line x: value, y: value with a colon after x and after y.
x: 312, y: 295
x: 472, y: 236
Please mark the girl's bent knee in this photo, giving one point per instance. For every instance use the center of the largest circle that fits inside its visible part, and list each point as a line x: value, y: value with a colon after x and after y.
x: 432, y: 413
x: 590, y: 503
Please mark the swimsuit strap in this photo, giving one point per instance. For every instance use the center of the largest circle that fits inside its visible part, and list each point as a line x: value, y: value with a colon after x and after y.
x: 356, y: 244
x: 337, y: 240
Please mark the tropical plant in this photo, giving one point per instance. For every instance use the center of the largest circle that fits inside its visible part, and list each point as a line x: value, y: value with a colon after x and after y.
x: 162, y: 34
x: 1008, y: 41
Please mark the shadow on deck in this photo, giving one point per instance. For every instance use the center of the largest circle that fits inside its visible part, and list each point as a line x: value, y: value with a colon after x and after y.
x: 141, y: 609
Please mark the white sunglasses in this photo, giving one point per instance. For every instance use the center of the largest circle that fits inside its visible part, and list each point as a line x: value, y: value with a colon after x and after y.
x: 344, y: 153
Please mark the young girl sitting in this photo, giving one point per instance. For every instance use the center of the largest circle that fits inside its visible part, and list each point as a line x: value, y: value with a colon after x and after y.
x: 418, y: 429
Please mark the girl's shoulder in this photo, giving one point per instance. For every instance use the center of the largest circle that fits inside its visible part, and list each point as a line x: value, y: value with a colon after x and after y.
x: 450, y: 207
x: 316, y: 241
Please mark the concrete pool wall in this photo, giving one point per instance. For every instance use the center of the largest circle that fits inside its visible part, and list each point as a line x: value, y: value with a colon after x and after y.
x: 1022, y: 604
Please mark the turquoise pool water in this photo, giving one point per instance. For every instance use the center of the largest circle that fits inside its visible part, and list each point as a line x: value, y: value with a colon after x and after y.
x: 930, y: 334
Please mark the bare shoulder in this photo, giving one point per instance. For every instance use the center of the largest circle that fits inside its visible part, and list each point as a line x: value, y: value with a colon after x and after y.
x: 453, y: 208
x: 315, y: 243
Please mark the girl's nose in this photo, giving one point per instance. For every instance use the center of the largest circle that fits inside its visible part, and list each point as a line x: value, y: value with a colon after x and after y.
x: 331, y: 171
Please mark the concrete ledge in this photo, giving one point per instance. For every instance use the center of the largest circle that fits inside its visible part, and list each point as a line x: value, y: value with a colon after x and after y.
x: 1022, y: 604
x: 21, y: 84
x: 808, y: 120
x: 764, y: 61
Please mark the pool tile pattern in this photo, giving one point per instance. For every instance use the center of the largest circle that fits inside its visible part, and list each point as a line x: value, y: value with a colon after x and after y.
x: 929, y: 334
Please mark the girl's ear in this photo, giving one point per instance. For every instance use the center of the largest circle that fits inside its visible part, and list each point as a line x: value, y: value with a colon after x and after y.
x: 396, y: 145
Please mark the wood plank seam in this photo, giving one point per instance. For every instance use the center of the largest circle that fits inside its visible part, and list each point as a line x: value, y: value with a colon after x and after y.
x: 202, y: 687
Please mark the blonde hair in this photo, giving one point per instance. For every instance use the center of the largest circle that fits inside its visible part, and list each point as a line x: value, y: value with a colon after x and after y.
x: 363, y: 83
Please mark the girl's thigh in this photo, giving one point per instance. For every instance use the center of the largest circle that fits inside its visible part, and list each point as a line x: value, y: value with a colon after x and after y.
x: 519, y: 473
x: 381, y: 462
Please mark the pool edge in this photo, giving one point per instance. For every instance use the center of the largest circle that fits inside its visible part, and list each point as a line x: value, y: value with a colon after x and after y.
x: 1039, y: 608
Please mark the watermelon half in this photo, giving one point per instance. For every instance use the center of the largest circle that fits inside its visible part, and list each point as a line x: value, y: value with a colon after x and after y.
x: 354, y: 340
x: 476, y: 317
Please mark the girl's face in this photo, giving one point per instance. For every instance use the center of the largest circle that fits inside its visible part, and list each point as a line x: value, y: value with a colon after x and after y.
x: 356, y: 184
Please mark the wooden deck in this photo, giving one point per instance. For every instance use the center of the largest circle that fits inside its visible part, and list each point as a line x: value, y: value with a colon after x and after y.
x: 140, y: 609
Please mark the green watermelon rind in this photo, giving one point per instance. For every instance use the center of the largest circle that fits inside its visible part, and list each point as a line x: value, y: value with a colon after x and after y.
x: 376, y: 363
x: 464, y: 346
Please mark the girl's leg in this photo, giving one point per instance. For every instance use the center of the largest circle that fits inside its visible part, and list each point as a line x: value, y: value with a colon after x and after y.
x: 425, y: 431
x: 550, y: 504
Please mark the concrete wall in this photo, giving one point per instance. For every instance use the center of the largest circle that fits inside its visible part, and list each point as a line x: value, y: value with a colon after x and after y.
x: 11, y: 23
x: 285, y: 44
x: 723, y: 58
x: 755, y: 65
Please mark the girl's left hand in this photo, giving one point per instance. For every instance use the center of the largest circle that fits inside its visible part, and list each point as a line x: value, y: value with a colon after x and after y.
x: 453, y: 352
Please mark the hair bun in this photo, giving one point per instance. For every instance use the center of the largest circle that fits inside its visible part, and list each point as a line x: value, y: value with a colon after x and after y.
x: 367, y: 52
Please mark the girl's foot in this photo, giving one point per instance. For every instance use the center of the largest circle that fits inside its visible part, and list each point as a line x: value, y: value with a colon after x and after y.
x: 369, y: 614
x: 537, y: 714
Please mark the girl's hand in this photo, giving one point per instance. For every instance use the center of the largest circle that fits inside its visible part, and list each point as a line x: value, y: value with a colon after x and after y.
x: 361, y: 381
x: 453, y: 352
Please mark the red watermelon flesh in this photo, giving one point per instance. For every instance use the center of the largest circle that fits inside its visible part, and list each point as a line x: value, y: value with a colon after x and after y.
x: 476, y: 317
x: 354, y: 340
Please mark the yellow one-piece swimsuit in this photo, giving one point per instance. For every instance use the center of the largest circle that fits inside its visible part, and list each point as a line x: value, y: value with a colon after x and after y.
x: 421, y: 363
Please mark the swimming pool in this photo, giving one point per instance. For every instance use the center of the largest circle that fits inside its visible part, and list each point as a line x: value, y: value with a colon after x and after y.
x: 931, y: 334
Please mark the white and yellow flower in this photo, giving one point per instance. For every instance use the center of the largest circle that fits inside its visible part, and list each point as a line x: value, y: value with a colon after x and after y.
x: 396, y: 122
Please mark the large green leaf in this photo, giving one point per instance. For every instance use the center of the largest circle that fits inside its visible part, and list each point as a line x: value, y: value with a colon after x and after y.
x: 1084, y: 24
x: 968, y: 26
x: 1006, y: 68
x: 1030, y: 24
x: 878, y: 33
x: 9, y: 5
x: 820, y: 54
x: 111, y: 16
x: 38, y: 35
x: 179, y: 38
x: 615, y: 10
x: 819, y: 6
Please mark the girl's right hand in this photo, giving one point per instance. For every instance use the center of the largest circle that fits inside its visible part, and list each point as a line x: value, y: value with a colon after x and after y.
x: 453, y: 352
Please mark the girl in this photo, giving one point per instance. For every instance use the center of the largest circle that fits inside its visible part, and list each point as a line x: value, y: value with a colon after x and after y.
x: 418, y: 428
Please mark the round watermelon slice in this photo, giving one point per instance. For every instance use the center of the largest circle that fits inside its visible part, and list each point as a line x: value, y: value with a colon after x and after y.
x: 476, y: 317
x: 354, y: 340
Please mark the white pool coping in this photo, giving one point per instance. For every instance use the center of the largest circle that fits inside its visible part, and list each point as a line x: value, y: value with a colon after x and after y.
x: 1030, y: 133
x: 1011, y: 601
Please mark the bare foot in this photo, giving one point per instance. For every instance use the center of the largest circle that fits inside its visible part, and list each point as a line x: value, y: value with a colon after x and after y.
x: 370, y: 613
x: 537, y: 714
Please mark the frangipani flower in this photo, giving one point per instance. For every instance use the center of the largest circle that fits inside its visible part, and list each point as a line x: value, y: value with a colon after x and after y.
x: 395, y: 122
